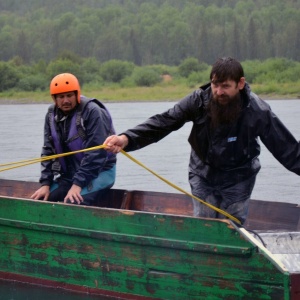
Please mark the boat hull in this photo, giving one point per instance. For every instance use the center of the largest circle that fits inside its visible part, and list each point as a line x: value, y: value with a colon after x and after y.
x: 135, y: 254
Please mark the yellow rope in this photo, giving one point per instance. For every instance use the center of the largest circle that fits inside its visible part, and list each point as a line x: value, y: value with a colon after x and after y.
x: 23, y: 163
x: 181, y: 190
x: 44, y: 158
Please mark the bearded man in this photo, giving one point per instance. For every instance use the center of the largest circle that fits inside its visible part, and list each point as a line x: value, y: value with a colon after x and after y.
x: 228, y: 120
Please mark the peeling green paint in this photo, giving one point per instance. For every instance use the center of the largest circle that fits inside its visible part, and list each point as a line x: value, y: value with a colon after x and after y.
x: 151, y: 255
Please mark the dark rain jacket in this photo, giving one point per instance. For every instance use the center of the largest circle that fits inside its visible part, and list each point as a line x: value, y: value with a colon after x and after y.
x: 231, y: 149
x: 97, y: 125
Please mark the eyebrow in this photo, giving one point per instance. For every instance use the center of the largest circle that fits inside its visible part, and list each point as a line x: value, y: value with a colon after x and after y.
x: 219, y: 82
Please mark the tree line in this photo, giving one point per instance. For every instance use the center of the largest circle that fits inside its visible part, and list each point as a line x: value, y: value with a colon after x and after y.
x: 93, y: 75
x: 149, y: 32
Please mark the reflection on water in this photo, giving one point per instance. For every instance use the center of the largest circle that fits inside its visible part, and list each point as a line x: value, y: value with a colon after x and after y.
x: 22, y: 130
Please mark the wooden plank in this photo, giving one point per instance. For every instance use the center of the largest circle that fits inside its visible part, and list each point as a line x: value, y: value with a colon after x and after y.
x: 20, y: 189
x: 266, y: 215
x: 285, y: 246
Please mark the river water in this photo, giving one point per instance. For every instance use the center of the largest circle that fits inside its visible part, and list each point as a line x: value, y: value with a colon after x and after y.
x: 21, y: 131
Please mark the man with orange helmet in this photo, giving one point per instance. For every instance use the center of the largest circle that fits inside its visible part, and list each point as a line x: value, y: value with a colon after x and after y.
x: 72, y: 123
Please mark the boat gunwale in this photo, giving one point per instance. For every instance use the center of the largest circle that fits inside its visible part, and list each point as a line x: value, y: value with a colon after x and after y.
x: 110, y: 235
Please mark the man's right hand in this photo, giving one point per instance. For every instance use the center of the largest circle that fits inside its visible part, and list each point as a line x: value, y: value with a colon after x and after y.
x: 115, y: 143
x: 42, y: 193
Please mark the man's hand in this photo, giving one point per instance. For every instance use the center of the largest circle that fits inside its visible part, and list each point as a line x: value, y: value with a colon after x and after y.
x: 115, y: 143
x: 74, y: 195
x: 42, y: 193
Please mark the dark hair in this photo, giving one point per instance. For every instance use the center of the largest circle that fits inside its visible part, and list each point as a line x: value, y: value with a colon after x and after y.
x: 226, y: 68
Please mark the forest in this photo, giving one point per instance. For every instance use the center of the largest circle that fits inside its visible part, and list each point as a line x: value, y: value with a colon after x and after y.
x: 150, y: 32
x: 38, y: 35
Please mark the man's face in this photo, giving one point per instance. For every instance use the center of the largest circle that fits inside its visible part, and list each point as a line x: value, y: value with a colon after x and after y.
x: 66, y: 101
x: 225, y: 106
x: 224, y: 92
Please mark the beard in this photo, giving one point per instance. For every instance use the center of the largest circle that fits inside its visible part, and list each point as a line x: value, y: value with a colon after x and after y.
x: 224, y: 114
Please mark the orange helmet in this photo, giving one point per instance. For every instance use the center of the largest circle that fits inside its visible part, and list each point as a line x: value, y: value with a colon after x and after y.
x: 64, y: 83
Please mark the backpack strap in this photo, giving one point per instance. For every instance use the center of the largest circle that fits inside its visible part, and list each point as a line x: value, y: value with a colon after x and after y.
x: 79, y: 122
x: 58, y: 163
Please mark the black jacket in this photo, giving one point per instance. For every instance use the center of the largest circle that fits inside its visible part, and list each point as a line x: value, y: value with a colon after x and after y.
x: 232, y: 149
x: 97, y: 125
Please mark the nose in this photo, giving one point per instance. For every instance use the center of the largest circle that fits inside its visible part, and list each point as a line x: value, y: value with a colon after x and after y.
x: 219, y: 91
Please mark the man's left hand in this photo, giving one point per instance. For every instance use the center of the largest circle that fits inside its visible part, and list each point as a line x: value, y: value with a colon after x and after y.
x: 74, y: 195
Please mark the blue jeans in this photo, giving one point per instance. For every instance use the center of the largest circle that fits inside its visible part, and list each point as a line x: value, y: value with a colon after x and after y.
x: 232, y: 197
x: 90, y: 193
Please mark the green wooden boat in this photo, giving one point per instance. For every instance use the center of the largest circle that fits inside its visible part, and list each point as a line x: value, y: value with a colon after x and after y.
x: 145, y: 245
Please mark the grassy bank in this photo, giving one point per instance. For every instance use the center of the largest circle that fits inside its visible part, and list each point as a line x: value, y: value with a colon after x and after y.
x: 163, y: 92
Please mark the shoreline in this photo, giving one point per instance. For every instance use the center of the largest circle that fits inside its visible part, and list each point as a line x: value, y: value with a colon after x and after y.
x: 6, y: 101
x: 164, y: 92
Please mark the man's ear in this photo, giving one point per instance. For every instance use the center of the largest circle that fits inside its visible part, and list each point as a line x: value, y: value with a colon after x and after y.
x: 241, y: 83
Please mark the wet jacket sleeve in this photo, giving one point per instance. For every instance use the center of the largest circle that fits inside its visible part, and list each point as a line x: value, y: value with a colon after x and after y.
x: 280, y: 142
x: 97, y: 124
x: 159, y: 126
x: 47, y: 150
